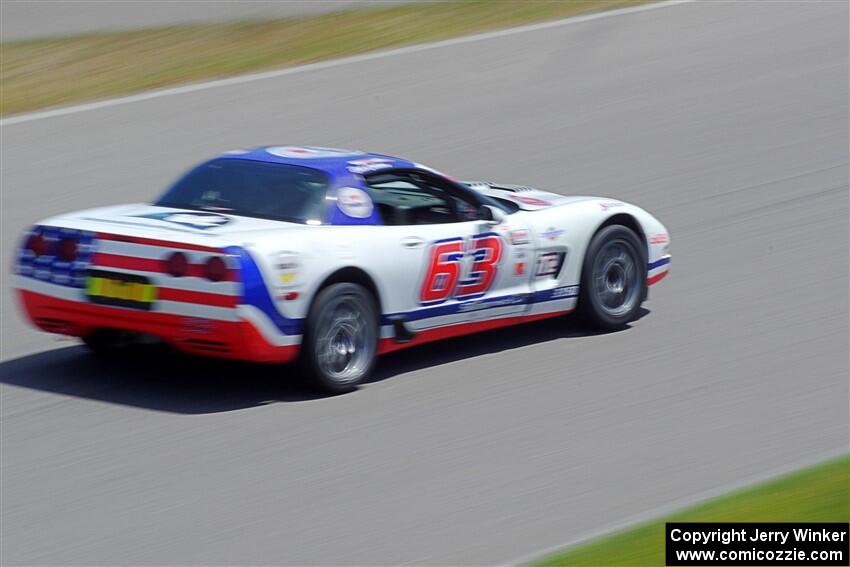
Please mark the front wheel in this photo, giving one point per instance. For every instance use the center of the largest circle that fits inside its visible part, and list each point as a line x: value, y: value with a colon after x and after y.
x: 340, y: 341
x: 613, y: 280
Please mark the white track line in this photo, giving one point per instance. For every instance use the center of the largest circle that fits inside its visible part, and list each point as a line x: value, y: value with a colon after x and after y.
x: 681, y: 504
x: 249, y: 78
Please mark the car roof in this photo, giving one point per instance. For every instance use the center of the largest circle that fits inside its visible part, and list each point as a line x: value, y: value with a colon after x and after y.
x: 333, y: 161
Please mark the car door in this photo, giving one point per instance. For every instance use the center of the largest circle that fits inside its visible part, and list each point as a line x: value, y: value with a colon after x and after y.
x: 551, y: 292
x: 446, y: 266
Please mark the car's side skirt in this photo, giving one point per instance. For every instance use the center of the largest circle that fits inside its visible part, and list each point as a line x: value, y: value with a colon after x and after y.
x: 389, y: 344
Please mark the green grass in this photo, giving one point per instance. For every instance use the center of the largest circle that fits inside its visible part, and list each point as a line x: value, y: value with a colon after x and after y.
x: 55, y: 71
x: 817, y: 494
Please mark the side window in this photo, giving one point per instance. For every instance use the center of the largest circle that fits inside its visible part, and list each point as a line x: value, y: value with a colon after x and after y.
x: 465, y: 210
x: 410, y: 200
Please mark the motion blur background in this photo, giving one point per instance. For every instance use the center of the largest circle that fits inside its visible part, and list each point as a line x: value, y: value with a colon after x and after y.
x: 727, y: 120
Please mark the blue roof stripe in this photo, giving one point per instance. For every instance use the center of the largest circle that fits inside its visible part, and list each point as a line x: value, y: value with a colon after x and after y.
x: 332, y: 161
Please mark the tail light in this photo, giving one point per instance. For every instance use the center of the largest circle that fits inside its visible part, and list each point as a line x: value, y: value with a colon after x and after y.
x: 66, y: 251
x: 215, y: 269
x: 177, y: 265
x: 37, y: 244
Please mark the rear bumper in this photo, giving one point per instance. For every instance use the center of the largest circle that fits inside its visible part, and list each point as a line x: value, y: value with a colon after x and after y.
x: 238, y: 339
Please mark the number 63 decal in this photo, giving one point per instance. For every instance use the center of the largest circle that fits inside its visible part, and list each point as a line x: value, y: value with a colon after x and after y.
x: 443, y: 278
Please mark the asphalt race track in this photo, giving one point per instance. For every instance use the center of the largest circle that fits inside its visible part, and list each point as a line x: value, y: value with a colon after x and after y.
x: 727, y: 120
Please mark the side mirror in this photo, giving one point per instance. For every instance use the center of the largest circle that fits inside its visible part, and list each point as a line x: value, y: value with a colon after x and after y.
x: 491, y: 214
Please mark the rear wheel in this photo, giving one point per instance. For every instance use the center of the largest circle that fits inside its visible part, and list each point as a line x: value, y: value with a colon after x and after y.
x: 341, y: 338
x: 107, y: 341
x: 613, y: 282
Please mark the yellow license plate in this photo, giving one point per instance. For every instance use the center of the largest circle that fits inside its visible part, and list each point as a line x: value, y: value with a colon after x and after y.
x: 122, y: 290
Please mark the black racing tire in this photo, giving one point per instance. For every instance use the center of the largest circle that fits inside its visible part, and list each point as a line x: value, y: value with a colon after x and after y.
x: 105, y: 342
x: 341, y: 338
x: 613, y: 279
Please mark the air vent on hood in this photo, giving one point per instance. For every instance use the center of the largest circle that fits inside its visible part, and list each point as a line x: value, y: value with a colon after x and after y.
x: 510, y: 187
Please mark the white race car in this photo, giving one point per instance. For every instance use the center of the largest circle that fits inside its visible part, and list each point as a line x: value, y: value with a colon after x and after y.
x: 333, y: 257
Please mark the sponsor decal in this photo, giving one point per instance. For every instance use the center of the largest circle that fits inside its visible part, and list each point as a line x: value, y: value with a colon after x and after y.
x: 309, y: 152
x: 519, y: 236
x: 484, y: 304
x: 519, y: 268
x: 660, y: 238
x: 354, y: 202
x: 531, y: 201
x: 553, y: 233
x: 286, y: 265
x: 197, y: 220
x: 198, y: 326
x: 567, y: 291
x: 610, y: 205
x: 365, y: 165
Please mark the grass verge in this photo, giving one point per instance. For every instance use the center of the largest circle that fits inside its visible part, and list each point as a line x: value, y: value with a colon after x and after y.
x: 47, y: 72
x: 817, y: 494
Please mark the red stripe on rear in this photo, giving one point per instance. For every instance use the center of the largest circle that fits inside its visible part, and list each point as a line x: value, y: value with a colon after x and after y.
x: 242, y: 340
x: 155, y: 242
x: 126, y: 262
x: 104, y: 260
x: 202, y: 297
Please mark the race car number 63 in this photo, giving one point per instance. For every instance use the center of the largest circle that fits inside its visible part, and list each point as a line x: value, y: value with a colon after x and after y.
x: 443, y: 276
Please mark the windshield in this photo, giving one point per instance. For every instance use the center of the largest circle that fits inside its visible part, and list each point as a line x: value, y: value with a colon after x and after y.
x: 251, y: 189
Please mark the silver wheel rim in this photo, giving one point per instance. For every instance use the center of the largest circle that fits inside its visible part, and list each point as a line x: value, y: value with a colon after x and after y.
x: 616, y: 279
x: 346, y: 341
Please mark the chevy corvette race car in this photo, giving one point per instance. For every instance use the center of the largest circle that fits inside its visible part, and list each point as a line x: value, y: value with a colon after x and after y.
x: 333, y: 257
